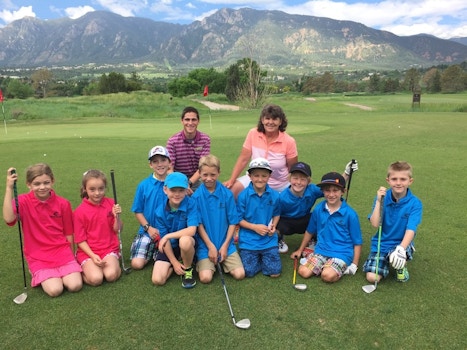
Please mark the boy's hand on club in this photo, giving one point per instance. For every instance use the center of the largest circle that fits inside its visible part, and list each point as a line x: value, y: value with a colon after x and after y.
x: 398, y: 257
x: 261, y: 229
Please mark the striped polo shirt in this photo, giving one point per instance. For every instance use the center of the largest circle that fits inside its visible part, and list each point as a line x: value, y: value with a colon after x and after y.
x: 186, y: 153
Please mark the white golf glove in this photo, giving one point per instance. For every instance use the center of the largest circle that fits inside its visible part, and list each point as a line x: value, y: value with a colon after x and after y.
x: 349, y: 166
x: 351, y: 269
x: 398, y: 257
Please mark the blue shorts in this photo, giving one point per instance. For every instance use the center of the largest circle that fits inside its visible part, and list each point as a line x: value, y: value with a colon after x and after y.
x: 142, y: 247
x: 383, y: 265
x: 267, y: 260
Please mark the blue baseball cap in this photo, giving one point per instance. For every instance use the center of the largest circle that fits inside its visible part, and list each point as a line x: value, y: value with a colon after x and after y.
x: 176, y: 179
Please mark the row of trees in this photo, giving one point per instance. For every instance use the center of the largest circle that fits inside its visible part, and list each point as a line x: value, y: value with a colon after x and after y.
x: 243, y: 82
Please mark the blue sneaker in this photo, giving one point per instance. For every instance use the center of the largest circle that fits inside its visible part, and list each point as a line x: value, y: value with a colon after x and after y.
x: 402, y: 275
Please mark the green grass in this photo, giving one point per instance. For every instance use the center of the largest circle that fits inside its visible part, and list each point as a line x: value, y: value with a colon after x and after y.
x: 428, y: 312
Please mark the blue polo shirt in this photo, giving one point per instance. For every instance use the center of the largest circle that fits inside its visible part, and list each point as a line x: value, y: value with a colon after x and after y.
x: 257, y: 210
x: 293, y: 206
x: 406, y: 214
x: 168, y: 220
x: 216, y: 212
x: 337, y: 233
x: 149, y: 195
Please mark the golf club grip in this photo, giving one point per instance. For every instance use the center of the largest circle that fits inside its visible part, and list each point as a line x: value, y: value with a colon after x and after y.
x: 112, y: 178
x: 381, y: 210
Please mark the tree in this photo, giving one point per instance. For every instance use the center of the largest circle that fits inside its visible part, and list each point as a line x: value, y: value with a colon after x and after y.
x: 411, y: 80
x: 183, y: 86
x: 453, y: 79
x: 17, y: 89
x: 134, y: 83
x: 432, y: 80
x: 374, y: 83
x: 244, y: 82
x: 112, y: 83
x: 41, y: 80
x: 210, y: 77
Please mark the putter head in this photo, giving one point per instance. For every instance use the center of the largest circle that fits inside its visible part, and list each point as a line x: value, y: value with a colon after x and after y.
x: 21, y: 298
x: 369, y: 288
x: 300, y: 286
x: 127, y: 270
x: 243, y: 324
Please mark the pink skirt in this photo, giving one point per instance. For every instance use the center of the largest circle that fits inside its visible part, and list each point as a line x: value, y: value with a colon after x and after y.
x: 56, y: 272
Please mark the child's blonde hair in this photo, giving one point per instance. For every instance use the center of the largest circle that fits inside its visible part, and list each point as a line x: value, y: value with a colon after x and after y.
x: 91, y: 174
x: 210, y: 161
x: 36, y: 170
x: 400, y: 166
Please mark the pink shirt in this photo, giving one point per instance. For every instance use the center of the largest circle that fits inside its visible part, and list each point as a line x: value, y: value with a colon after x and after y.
x: 94, y: 224
x: 276, y: 153
x: 45, y: 226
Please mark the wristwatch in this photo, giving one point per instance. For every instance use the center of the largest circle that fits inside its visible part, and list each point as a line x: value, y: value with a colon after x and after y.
x: 190, y: 183
x: 146, y: 228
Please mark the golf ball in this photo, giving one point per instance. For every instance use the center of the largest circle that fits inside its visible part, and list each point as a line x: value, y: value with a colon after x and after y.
x: 45, y: 154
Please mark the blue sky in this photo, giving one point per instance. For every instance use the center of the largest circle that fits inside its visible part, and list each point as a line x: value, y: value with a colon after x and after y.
x: 442, y: 18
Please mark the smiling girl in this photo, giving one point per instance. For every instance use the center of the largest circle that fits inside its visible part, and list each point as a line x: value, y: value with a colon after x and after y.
x: 96, y: 225
x: 47, y: 228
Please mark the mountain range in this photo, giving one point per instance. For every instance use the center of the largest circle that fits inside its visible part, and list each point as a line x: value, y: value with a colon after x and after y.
x: 273, y: 38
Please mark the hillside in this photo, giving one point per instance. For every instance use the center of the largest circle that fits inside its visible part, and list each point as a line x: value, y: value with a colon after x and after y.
x: 274, y: 38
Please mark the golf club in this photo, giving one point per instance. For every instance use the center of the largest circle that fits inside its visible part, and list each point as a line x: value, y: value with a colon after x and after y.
x: 372, y: 287
x: 23, y: 296
x: 302, y: 287
x: 350, y: 179
x: 242, y: 324
x: 126, y: 270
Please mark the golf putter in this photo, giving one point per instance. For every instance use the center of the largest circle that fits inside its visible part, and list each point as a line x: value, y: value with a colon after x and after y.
x: 23, y: 296
x: 125, y: 269
x: 369, y: 288
x: 301, y: 287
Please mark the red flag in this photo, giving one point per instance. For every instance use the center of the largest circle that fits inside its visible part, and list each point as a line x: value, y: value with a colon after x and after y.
x: 205, y: 93
x: 1, y: 96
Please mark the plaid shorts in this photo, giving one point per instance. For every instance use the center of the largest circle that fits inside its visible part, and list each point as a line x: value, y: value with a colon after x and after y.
x: 316, y: 263
x: 142, y: 247
x: 267, y: 260
x: 383, y: 265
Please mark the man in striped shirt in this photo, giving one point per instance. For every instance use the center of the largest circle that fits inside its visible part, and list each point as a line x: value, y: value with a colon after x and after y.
x: 188, y: 146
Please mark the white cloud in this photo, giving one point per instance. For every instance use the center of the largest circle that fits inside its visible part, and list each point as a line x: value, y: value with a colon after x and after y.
x: 123, y: 7
x: 401, y: 17
x: 10, y: 16
x: 77, y: 12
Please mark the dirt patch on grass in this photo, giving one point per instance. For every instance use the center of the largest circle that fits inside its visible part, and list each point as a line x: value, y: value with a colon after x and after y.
x: 365, y: 108
x: 217, y: 106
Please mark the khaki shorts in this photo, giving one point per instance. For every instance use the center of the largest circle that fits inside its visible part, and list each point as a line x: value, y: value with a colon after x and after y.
x: 232, y: 262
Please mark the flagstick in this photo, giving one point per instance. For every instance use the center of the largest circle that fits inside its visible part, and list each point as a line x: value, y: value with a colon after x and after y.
x: 210, y: 123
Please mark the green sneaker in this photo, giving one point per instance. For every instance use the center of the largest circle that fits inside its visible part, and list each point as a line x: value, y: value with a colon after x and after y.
x: 402, y: 275
x: 187, y: 279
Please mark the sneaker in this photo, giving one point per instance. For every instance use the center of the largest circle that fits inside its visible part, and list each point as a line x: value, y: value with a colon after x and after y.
x: 187, y: 279
x: 402, y: 275
x: 283, y: 247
